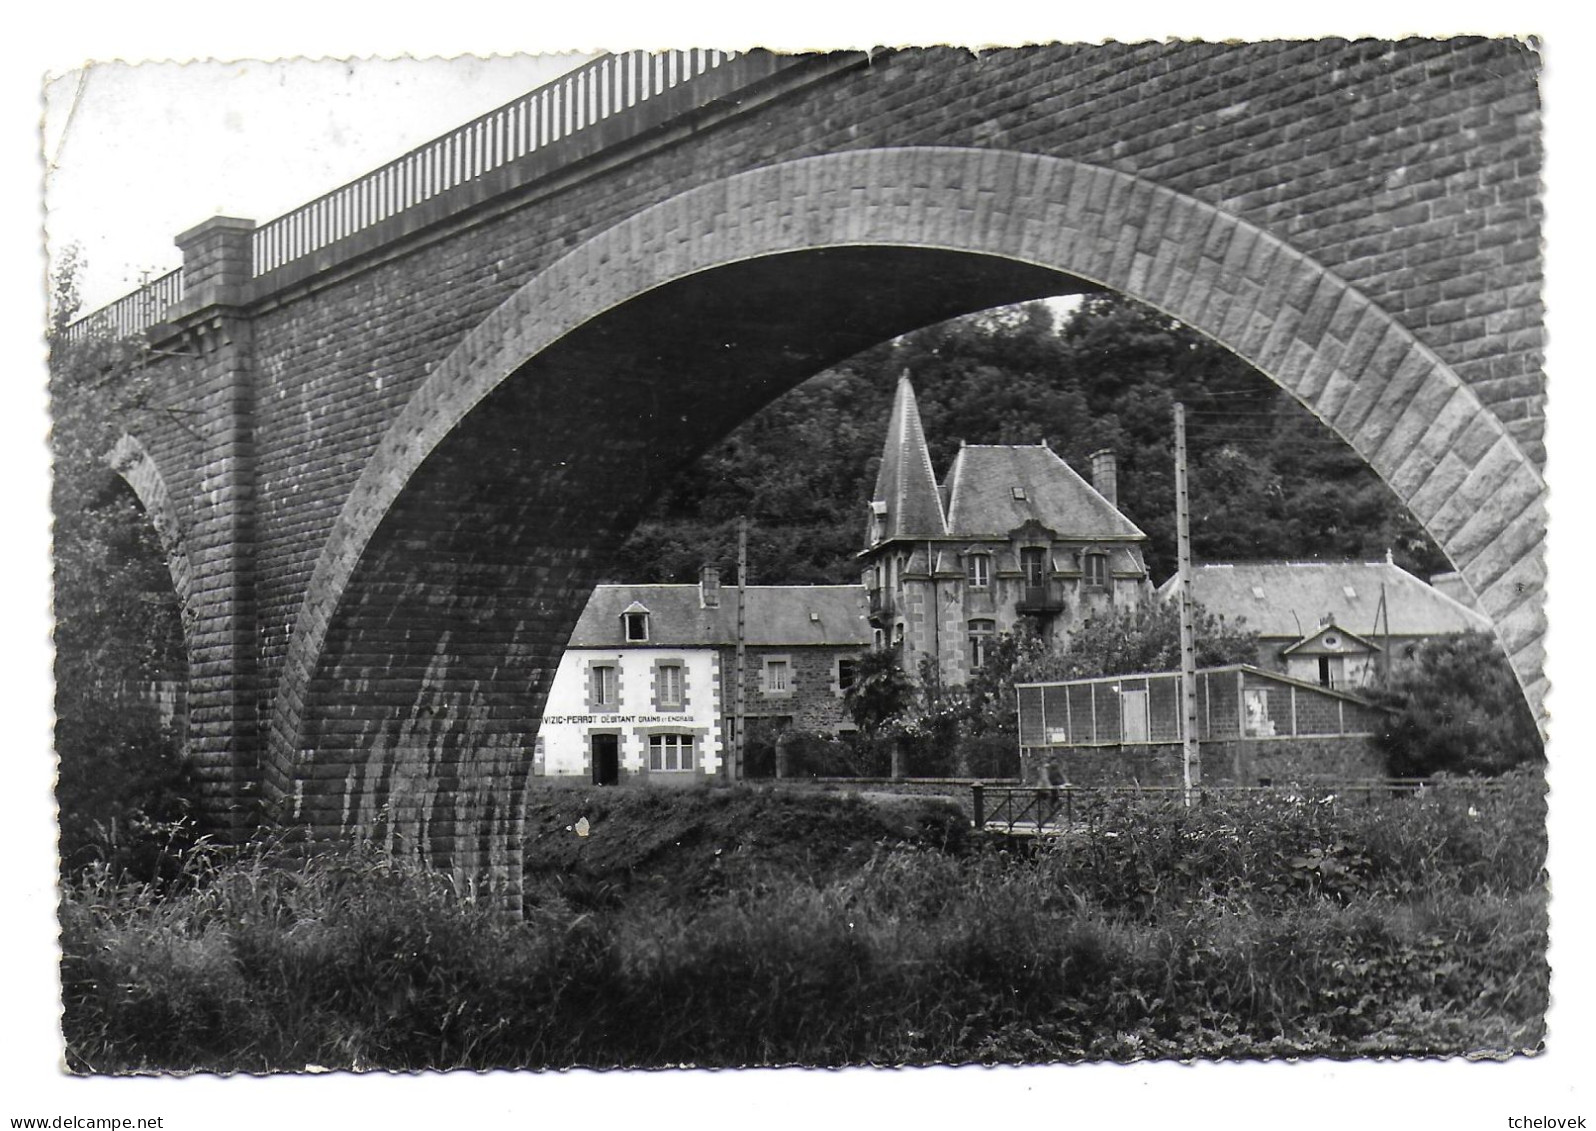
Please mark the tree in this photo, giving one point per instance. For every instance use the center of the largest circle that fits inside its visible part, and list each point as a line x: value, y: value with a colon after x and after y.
x: 1014, y: 657
x: 1268, y: 480
x: 882, y: 696
x: 123, y: 784
x: 1146, y: 638
x: 1457, y: 709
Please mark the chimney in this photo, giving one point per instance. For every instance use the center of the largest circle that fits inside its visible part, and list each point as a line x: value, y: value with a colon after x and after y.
x: 709, y: 587
x: 1105, y: 474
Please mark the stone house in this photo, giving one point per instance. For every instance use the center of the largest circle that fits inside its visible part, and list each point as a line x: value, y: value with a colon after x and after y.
x: 1255, y: 727
x: 1011, y: 535
x: 1323, y: 622
x: 644, y: 691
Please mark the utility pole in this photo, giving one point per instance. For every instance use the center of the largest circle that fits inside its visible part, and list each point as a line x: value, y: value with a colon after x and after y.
x: 1383, y: 614
x: 1191, y: 752
x: 739, y: 720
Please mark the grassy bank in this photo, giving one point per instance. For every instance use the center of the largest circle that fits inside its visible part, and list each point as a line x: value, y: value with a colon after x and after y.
x: 683, y: 929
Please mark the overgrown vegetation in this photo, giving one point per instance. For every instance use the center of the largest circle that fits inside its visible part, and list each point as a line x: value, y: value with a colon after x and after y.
x: 1457, y: 709
x: 124, y: 788
x: 749, y: 927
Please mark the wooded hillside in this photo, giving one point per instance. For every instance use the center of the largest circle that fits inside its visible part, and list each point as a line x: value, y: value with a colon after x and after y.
x: 1267, y: 479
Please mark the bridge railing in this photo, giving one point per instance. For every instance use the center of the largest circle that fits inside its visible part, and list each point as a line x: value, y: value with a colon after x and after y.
x: 131, y: 313
x: 536, y: 121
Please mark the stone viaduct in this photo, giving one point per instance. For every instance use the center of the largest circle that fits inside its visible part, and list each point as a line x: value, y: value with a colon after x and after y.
x: 397, y: 432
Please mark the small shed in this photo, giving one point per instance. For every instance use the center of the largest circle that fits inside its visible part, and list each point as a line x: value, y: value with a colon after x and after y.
x: 1254, y: 727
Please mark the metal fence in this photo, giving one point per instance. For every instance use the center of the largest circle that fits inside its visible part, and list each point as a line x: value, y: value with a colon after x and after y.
x: 1101, y: 712
x: 1234, y: 701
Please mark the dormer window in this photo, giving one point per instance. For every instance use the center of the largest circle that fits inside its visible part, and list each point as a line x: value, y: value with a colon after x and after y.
x: 1017, y: 492
x: 1033, y: 563
x: 978, y: 570
x: 634, y: 624
x: 1094, y: 568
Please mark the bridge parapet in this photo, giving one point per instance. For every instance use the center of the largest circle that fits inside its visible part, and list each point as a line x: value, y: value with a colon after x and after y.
x: 131, y: 314
x: 546, y: 129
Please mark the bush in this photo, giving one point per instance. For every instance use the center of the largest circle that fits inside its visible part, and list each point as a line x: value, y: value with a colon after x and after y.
x: 1266, y: 928
x: 988, y: 756
x: 1458, y: 709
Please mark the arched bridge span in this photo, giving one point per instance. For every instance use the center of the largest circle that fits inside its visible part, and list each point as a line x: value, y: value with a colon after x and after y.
x: 442, y: 439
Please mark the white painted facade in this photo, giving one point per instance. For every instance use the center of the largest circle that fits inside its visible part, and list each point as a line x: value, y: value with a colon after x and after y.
x: 573, y: 715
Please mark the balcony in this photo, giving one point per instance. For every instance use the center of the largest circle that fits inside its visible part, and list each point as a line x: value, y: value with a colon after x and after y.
x: 882, y: 604
x: 1041, y: 600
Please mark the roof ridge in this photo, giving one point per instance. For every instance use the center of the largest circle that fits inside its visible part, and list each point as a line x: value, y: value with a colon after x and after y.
x: 726, y: 585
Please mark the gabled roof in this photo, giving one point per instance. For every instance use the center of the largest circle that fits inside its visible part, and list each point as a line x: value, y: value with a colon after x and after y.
x: 906, y: 485
x: 1317, y: 637
x: 777, y: 616
x: 1288, y: 599
x: 982, y: 499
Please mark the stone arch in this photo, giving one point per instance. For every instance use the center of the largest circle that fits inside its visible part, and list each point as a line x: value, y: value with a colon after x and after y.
x: 1367, y: 377
x: 133, y: 462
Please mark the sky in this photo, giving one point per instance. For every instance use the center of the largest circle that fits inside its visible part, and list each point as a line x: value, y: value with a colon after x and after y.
x: 153, y: 150
x: 135, y: 154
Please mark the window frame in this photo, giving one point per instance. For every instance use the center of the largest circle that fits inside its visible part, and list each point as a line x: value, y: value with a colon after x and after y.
x: 596, y: 702
x: 678, y: 671
x: 980, y: 632
x: 685, y: 747
x: 1094, y: 569
x: 978, y: 570
x: 1038, y: 555
x: 852, y: 663
x: 769, y: 664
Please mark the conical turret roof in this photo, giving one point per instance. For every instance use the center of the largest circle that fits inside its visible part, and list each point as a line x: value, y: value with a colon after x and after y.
x: 906, y: 501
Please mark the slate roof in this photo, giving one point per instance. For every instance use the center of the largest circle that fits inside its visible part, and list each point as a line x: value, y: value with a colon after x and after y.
x: 905, y: 482
x: 783, y: 616
x: 981, y: 502
x: 1295, y: 595
x: 1122, y: 560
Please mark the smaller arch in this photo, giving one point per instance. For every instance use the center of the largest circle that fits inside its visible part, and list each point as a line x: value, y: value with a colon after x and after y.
x: 133, y: 462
